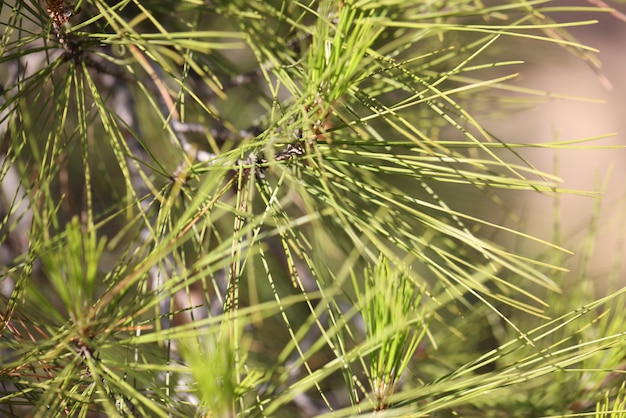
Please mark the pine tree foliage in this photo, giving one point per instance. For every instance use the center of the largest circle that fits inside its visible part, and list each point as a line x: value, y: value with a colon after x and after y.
x: 238, y: 208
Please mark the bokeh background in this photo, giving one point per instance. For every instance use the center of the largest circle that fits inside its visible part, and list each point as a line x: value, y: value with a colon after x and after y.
x: 554, y: 69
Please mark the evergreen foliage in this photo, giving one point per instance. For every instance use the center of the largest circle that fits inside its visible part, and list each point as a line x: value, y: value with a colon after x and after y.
x: 278, y: 208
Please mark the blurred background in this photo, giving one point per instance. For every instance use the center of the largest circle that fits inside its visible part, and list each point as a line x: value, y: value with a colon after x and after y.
x: 554, y: 69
